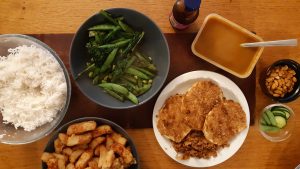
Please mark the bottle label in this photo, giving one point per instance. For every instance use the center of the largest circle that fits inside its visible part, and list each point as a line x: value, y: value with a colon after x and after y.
x: 176, y: 24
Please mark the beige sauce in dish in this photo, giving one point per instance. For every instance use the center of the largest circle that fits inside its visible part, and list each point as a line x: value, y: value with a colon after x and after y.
x: 220, y: 42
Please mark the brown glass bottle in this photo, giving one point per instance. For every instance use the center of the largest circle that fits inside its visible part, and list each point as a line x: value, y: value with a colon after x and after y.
x: 184, y: 13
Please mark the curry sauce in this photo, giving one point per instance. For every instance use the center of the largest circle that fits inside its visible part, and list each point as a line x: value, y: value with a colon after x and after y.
x: 219, y: 43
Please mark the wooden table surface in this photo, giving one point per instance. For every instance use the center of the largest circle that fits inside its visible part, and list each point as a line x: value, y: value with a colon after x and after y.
x: 270, y: 19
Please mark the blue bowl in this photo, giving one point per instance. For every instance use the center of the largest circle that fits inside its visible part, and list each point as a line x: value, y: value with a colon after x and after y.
x: 154, y: 44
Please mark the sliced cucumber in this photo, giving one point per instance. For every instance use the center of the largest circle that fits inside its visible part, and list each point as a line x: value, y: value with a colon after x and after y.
x: 269, y: 128
x: 263, y: 122
x: 280, y: 121
x: 287, y: 115
x: 279, y: 113
x: 274, y: 119
x: 271, y: 117
x: 267, y: 120
x: 280, y: 108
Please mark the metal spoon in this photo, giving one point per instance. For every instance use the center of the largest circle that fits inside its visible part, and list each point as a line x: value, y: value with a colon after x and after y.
x: 288, y: 42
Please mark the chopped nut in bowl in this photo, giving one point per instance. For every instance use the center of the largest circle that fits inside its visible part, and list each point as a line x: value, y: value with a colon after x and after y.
x: 280, y: 81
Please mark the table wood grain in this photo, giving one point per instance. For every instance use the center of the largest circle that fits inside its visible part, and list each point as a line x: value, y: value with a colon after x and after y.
x: 270, y: 19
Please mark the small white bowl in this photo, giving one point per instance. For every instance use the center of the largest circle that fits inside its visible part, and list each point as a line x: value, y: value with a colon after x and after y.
x: 281, y: 134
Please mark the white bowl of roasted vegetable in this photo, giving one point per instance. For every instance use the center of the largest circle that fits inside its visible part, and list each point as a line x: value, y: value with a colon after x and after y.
x: 119, y: 58
x: 276, y: 122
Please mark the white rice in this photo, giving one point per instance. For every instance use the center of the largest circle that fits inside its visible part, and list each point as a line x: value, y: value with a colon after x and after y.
x: 32, y: 87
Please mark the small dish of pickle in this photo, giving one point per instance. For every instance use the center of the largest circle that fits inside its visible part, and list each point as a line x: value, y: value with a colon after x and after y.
x: 276, y: 122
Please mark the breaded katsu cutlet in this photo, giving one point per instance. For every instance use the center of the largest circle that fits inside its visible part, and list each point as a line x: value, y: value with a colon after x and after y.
x: 199, y: 100
x: 170, y: 119
x: 223, y: 122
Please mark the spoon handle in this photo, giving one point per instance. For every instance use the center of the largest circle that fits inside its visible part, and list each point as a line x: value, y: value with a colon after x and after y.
x: 289, y: 42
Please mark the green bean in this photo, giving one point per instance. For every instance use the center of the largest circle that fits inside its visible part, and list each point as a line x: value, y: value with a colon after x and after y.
x: 105, y: 85
x: 137, y: 73
x: 108, y: 17
x: 144, y: 89
x: 149, y: 59
x: 143, y: 63
x: 151, y: 67
x: 114, y: 94
x: 134, y: 41
x: 130, y: 61
x: 141, y: 58
x: 110, y: 58
x: 148, y: 73
x: 96, y: 80
x: 111, y: 34
x: 140, y: 83
x: 96, y: 72
x: 102, y: 27
x: 130, y: 78
x: 115, y: 87
x: 118, y: 40
x: 135, y: 92
x: 132, y: 98
x: 115, y: 45
x: 134, y: 87
x: 85, y: 70
x: 126, y: 34
x: 130, y: 86
x: 138, y: 40
x: 125, y: 27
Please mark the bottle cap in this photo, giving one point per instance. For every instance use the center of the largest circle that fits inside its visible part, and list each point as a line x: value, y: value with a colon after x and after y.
x: 192, y: 5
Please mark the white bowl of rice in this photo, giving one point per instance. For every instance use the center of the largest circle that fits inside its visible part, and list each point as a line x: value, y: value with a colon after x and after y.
x: 35, y: 89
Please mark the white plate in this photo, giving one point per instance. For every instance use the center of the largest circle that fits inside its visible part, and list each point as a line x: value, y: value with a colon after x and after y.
x: 180, y: 85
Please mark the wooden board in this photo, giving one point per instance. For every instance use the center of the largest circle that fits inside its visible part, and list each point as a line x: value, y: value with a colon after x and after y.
x: 182, y: 61
x: 270, y: 19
